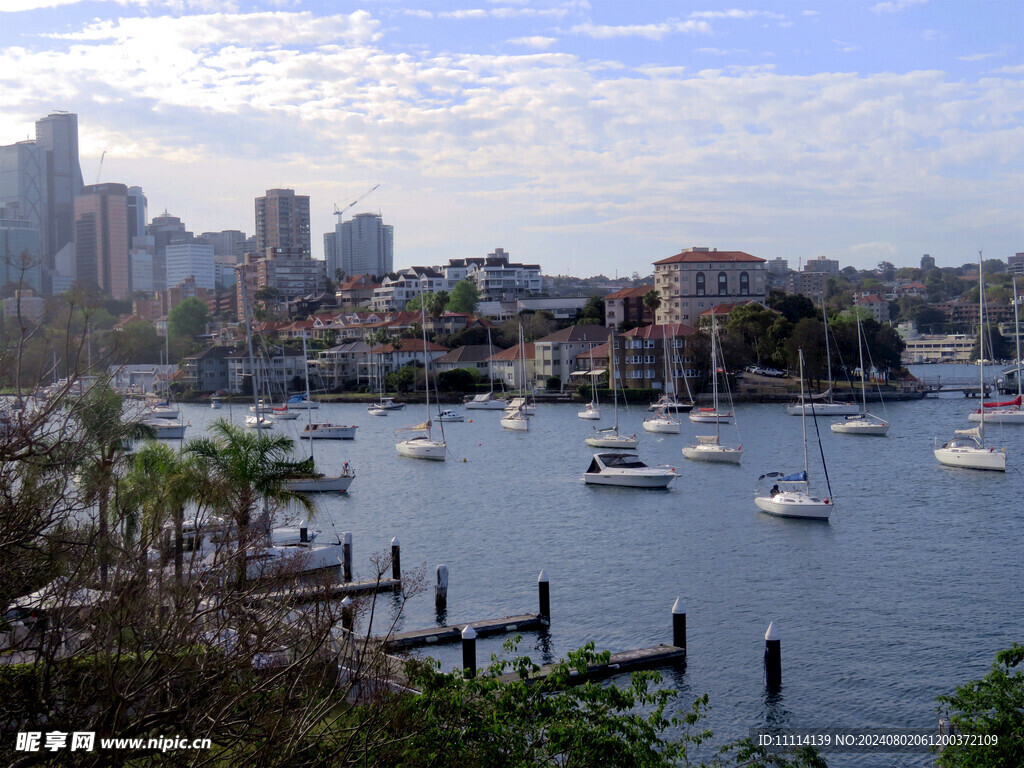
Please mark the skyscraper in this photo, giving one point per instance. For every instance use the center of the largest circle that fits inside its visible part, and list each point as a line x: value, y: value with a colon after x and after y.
x: 363, y: 245
x: 138, y: 214
x: 165, y: 229
x: 58, y: 135
x: 101, y: 239
x: 282, y: 221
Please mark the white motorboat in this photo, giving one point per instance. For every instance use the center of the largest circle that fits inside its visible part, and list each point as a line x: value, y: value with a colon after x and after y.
x: 627, y: 471
x: 450, y: 415
x: 166, y: 430
x: 418, y: 442
x: 162, y: 410
x: 790, y: 495
x: 863, y: 423
x: 967, y: 448
x: 1010, y: 411
x: 376, y: 409
x: 215, y: 403
x: 662, y: 421
x: 709, y: 447
x: 389, y: 404
x: 325, y: 431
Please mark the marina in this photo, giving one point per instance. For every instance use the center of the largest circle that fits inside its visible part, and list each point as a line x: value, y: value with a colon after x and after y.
x: 901, y: 596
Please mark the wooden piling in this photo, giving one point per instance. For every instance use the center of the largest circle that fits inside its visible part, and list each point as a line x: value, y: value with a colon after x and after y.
x: 441, y: 588
x: 469, y: 651
x: 396, y: 560
x: 679, y: 624
x: 347, y: 614
x: 346, y: 556
x: 544, y: 594
x: 772, y: 658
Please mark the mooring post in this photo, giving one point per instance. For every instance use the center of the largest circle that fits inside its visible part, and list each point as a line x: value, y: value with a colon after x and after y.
x: 469, y: 651
x: 544, y: 593
x: 346, y: 555
x: 441, y: 588
x: 396, y: 560
x: 679, y: 624
x: 772, y: 657
x: 347, y: 614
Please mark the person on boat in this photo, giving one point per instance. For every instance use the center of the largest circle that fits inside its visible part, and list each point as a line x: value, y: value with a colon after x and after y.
x: 775, y: 491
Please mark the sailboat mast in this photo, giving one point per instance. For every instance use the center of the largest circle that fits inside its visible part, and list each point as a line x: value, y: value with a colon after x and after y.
x: 860, y: 359
x: 714, y: 372
x: 1016, y: 334
x: 309, y: 411
x: 803, y: 411
x: 615, y: 389
x: 248, y: 339
x: 981, y: 346
x: 828, y: 352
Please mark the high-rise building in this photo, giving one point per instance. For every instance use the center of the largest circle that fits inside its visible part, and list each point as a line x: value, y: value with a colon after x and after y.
x: 101, y: 239
x: 927, y: 262
x: 138, y: 214
x: 165, y: 229
x: 57, y: 134
x: 23, y: 183
x: 363, y: 245
x: 230, y: 242
x: 20, y: 254
x: 190, y: 259
x: 282, y: 221
x: 698, y: 279
x: 822, y: 265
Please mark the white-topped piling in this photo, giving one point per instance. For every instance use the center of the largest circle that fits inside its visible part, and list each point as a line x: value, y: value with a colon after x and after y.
x: 396, y: 559
x: 347, y: 614
x: 772, y: 657
x: 544, y: 594
x: 679, y: 624
x: 469, y: 651
x: 346, y: 556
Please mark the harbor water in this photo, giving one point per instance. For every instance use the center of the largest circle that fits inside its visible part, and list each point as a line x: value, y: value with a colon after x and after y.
x: 909, y: 590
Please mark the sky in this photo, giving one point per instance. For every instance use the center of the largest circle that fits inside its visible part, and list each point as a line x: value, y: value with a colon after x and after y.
x: 589, y: 137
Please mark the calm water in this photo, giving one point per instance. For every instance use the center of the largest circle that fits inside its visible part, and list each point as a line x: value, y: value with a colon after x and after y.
x: 910, y: 589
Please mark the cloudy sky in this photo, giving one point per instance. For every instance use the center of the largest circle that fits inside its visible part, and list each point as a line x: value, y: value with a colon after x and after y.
x: 589, y: 136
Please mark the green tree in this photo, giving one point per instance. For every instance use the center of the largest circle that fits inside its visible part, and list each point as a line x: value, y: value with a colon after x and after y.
x: 992, y: 706
x: 248, y: 472
x: 436, y: 303
x: 593, y: 311
x: 652, y: 301
x: 188, y: 319
x: 137, y: 342
x: 793, y: 306
x: 465, y: 297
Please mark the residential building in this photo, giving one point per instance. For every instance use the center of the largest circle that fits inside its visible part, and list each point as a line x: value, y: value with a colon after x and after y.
x: 472, y: 357
x: 556, y: 353
x: 192, y: 258
x: 822, y: 265
x: 497, y: 278
x: 627, y: 306
x: 229, y: 242
x: 280, y: 370
x: 935, y: 348
x: 362, y: 245
x: 656, y: 357
x: 355, y: 291
x: 507, y: 366
x: 282, y: 221
x: 342, y: 364
x: 402, y: 352
x: 21, y: 261
x: 700, y: 278
x: 877, y: 306
x: 395, y: 293
x: 810, y: 284
x: 928, y: 262
x: 1015, y: 264
x: 207, y: 371
x: 290, y: 273
x: 560, y: 307
x: 101, y: 238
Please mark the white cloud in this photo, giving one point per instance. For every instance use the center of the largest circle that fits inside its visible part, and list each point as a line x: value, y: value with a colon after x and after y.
x: 845, y: 47
x: 736, y: 14
x: 649, y: 31
x: 472, y: 13
x: 535, y: 41
x: 895, y: 6
x: 979, y: 56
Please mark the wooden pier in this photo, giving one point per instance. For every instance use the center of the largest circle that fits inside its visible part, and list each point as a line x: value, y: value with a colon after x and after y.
x: 619, y: 664
x: 452, y: 634
x: 302, y: 594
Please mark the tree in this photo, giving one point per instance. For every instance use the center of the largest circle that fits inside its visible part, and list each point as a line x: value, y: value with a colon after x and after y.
x: 593, y: 311
x: 652, y: 301
x: 137, y: 342
x: 436, y: 303
x: 188, y: 319
x: 248, y: 470
x: 993, y: 707
x: 465, y: 297
x: 793, y: 306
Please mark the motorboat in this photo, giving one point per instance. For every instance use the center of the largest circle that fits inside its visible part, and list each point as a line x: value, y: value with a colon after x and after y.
x: 389, y: 404
x: 627, y: 471
x: 301, y: 402
x: 216, y: 403
x: 662, y: 421
x: 166, y: 430
x: 162, y: 410
x: 325, y: 431
x: 450, y: 415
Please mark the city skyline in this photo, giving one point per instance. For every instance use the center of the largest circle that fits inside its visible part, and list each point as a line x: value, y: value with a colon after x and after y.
x: 588, y: 137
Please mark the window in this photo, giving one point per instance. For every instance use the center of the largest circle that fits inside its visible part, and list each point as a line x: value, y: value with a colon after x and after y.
x: 649, y: 343
x: 700, y: 284
x: 723, y: 284
x: 648, y: 358
x: 744, y: 284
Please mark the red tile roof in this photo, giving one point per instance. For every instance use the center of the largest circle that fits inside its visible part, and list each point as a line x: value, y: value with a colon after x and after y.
x: 699, y: 257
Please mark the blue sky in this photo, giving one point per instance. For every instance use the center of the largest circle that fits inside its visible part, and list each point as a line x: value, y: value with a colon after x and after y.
x: 585, y: 136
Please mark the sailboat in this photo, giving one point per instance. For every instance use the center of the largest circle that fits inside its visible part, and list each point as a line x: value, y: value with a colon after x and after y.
x: 418, y: 442
x: 863, y: 423
x: 709, y: 447
x: 610, y: 437
x: 662, y: 420
x: 258, y: 420
x: 1010, y: 411
x: 378, y: 409
x: 517, y: 415
x: 592, y: 411
x: 321, y: 482
x: 790, y: 495
x: 487, y: 402
x: 967, y: 448
x: 667, y: 401
x: 824, y: 404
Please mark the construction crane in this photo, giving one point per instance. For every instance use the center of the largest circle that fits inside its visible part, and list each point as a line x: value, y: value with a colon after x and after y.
x: 100, y: 169
x: 341, y: 212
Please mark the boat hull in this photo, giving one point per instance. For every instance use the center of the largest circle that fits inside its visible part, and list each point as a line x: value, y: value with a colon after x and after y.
x: 324, y: 484
x: 862, y: 427
x: 825, y: 409
x: 517, y: 425
x: 795, y: 505
x: 486, y: 405
x: 629, y: 443
x: 422, y: 449
x: 660, y: 479
x: 716, y: 454
x: 972, y: 458
x: 700, y: 417
x: 284, y: 415
x: 1000, y: 416
x: 330, y: 433
x: 593, y: 415
x: 661, y: 425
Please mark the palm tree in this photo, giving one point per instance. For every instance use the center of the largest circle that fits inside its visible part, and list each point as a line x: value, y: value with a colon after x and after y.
x: 159, y: 485
x: 436, y: 303
x: 652, y: 300
x: 105, y: 435
x: 247, y: 469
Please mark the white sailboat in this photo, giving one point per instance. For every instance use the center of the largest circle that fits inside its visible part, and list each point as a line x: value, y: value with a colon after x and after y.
x: 258, y: 420
x: 863, y: 423
x: 610, y: 437
x: 517, y: 415
x: 322, y: 482
x: 418, y: 442
x: 487, y: 402
x: 967, y: 448
x: 824, y: 404
x: 1010, y: 411
x: 790, y: 495
x: 662, y: 419
x: 709, y: 447
x: 592, y: 410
